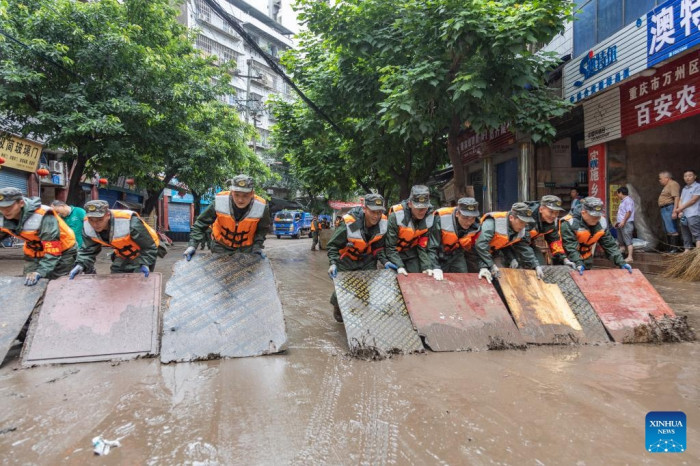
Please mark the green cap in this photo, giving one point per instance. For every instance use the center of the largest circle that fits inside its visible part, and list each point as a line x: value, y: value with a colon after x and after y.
x: 374, y: 202
x: 96, y: 208
x: 522, y: 211
x: 468, y: 207
x: 9, y: 196
x: 420, y: 196
x: 553, y: 202
x: 242, y: 183
x: 593, y: 206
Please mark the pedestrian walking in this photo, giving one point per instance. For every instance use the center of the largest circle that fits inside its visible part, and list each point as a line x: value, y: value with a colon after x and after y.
x: 575, y: 199
x: 500, y: 230
x: 135, y: 243
x: 407, y: 233
x: 581, y: 231
x: 49, y: 243
x: 358, y: 242
x: 315, y: 231
x: 668, y: 205
x: 452, y: 237
x: 625, y: 222
x: 239, y: 221
x: 73, y: 216
x: 688, y: 211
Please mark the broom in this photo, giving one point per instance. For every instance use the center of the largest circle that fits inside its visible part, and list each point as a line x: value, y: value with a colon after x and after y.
x: 685, y: 266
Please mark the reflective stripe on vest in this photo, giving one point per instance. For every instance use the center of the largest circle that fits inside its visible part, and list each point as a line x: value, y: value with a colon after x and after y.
x: 357, y: 248
x: 408, y: 236
x: 33, y: 245
x: 227, y: 231
x: 124, y: 246
x: 555, y: 246
x: 500, y: 238
x: 448, y: 230
x: 586, y: 240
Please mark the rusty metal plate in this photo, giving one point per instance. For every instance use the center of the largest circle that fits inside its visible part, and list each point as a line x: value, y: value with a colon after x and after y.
x: 624, y: 302
x: 592, y: 326
x: 374, y: 313
x: 18, y: 302
x: 460, y: 313
x: 222, y: 306
x: 539, y: 309
x: 96, y: 318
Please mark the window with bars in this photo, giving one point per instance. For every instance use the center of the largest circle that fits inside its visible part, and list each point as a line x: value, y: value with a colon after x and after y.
x: 202, y: 10
x: 211, y: 47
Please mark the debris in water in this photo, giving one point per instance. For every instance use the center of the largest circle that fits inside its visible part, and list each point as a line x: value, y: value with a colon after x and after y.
x: 101, y: 446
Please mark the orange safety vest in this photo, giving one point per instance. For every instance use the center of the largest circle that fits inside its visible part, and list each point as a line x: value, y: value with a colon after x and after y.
x: 500, y: 238
x: 33, y: 245
x: 227, y: 231
x: 124, y: 246
x: 556, y: 246
x: 448, y: 229
x: 357, y: 248
x: 313, y: 226
x: 409, y: 237
x: 586, y: 240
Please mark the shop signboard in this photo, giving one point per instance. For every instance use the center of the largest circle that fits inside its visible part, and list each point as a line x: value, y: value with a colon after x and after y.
x: 672, y: 28
x: 670, y: 94
x: 561, y: 153
x: 608, y: 63
x: 597, y: 171
x: 473, y: 146
x: 19, y: 153
x: 601, y: 118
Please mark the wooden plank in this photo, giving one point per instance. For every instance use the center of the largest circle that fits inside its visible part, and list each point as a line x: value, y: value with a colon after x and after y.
x: 374, y: 313
x: 222, y: 306
x: 18, y: 302
x: 539, y: 309
x: 460, y: 313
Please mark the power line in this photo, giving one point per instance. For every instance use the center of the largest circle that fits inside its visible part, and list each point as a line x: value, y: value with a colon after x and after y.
x: 233, y: 22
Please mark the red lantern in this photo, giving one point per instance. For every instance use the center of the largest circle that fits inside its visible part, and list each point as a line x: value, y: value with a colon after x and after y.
x: 103, y: 181
x: 130, y: 181
x: 42, y: 172
x: 2, y: 160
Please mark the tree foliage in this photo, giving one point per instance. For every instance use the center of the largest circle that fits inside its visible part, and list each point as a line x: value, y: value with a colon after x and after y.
x: 401, y: 78
x: 120, y: 86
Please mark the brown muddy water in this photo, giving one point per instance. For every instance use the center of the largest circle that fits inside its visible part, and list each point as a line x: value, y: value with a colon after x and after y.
x: 582, y: 405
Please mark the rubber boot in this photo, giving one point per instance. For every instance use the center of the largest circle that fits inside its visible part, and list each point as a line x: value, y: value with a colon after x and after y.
x: 675, y: 241
x: 336, y: 313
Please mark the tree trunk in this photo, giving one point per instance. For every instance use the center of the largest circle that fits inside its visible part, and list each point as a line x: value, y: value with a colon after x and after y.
x: 197, y: 199
x: 455, y: 159
x: 74, y: 189
x: 154, y: 196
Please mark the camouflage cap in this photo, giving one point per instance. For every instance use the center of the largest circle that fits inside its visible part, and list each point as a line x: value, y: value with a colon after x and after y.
x: 522, y: 211
x: 374, y: 202
x: 96, y: 208
x: 420, y: 196
x: 242, y: 183
x: 468, y: 206
x: 9, y: 196
x: 593, y: 206
x: 553, y: 202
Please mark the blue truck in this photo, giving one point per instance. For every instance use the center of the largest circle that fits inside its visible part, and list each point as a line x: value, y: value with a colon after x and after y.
x: 292, y: 223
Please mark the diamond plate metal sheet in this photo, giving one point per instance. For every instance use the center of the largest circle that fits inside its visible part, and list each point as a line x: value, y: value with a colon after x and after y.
x: 18, y: 302
x: 624, y: 302
x: 592, y: 326
x: 222, y: 306
x: 374, y: 313
x: 459, y: 313
x: 539, y: 309
x: 96, y: 318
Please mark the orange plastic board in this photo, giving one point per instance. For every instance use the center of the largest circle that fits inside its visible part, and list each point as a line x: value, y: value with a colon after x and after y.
x: 539, y: 309
x: 460, y: 313
x: 624, y: 302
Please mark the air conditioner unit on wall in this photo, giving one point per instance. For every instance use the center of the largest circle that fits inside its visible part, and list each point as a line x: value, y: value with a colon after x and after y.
x: 55, y: 166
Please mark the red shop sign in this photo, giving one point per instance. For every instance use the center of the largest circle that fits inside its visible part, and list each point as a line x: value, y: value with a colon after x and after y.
x: 597, y: 172
x: 671, y: 94
x: 473, y: 146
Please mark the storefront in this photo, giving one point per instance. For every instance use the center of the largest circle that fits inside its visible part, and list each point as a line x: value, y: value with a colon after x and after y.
x: 21, y: 159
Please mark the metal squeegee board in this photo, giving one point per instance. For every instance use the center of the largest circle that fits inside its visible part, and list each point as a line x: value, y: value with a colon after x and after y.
x: 222, y: 306
x: 18, y: 301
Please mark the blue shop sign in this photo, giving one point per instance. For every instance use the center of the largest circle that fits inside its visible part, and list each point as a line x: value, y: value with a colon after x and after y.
x: 672, y: 28
x: 594, y: 63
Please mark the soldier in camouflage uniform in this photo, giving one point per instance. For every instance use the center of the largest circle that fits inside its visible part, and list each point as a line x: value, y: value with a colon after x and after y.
x: 453, y: 235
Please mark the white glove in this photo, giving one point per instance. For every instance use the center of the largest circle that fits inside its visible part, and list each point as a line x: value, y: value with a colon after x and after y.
x: 495, y: 273
x: 539, y: 271
x: 333, y: 271
x: 437, y: 275
x: 402, y: 271
x: 429, y: 272
x: 189, y: 252
x: 568, y: 263
x: 484, y: 273
x: 514, y: 264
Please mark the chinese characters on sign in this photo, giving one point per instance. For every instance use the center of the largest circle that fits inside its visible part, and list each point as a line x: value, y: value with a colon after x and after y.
x: 670, y: 94
x: 597, y: 172
x: 19, y: 153
x: 473, y: 146
x: 672, y: 28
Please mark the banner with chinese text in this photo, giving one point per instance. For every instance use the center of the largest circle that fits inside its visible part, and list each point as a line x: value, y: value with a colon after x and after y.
x: 672, y: 27
x: 19, y: 153
x: 473, y: 146
x: 597, y: 172
x: 668, y: 95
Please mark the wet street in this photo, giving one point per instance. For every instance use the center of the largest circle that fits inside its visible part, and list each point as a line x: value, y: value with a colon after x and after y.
x: 314, y: 404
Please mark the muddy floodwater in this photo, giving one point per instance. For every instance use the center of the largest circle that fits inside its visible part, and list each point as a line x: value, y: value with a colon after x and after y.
x: 582, y: 405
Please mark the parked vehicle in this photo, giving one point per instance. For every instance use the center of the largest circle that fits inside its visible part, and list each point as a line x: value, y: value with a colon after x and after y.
x: 292, y: 223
